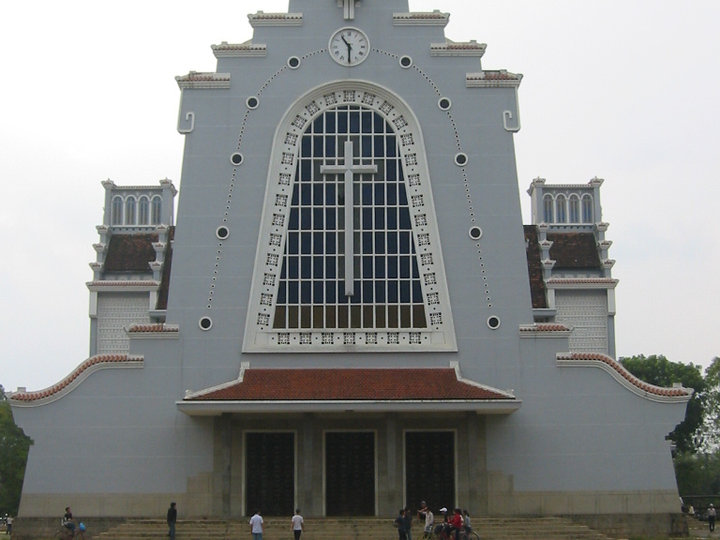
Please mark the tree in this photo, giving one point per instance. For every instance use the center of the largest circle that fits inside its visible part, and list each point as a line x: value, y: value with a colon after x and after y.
x: 14, y: 447
x: 658, y: 370
x: 707, y: 436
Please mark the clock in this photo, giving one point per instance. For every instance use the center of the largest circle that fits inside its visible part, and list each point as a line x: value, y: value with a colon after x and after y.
x: 349, y: 46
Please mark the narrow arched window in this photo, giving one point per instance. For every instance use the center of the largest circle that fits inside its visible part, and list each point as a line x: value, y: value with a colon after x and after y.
x: 116, y: 211
x: 587, y: 209
x: 548, y: 209
x: 574, y: 206
x: 130, y: 211
x: 560, y: 211
x: 144, y: 211
x: 156, y: 210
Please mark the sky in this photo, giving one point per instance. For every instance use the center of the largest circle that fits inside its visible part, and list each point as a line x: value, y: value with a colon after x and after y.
x: 625, y: 90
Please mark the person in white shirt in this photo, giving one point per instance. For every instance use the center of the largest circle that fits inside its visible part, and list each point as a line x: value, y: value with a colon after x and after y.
x: 297, y: 524
x: 256, y: 526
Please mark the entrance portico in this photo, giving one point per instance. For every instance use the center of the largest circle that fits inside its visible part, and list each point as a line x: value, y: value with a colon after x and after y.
x: 332, y: 454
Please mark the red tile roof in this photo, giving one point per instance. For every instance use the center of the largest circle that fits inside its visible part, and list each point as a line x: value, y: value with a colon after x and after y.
x: 350, y: 384
x: 130, y: 253
x: 578, y: 359
x: 93, y: 363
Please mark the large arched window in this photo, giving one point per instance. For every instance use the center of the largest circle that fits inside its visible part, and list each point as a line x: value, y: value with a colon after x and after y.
x: 548, y: 209
x: 560, y: 209
x: 156, y: 210
x: 130, y: 211
x: 574, y: 207
x: 143, y: 211
x: 381, y: 288
x: 587, y: 209
x: 116, y: 212
x: 349, y: 256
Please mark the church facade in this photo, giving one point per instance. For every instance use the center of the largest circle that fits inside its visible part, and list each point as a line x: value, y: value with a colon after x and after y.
x: 348, y: 315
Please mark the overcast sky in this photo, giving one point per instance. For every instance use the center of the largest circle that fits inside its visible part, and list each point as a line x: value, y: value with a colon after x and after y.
x: 626, y: 90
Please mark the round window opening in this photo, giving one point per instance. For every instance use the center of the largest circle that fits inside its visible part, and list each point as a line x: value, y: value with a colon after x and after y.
x: 475, y: 233
x: 236, y: 158
x: 222, y: 232
x: 405, y: 62
x: 293, y: 62
x: 461, y: 159
x: 444, y: 104
x: 493, y: 322
x: 252, y: 102
x: 205, y: 323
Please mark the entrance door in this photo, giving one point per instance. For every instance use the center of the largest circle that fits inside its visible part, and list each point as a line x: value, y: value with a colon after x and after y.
x: 269, y: 473
x: 350, y: 473
x: 430, y: 468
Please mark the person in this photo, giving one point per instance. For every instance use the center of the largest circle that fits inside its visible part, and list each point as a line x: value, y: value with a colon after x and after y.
x: 256, y: 526
x: 297, y: 524
x: 426, y: 514
x: 171, y: 520
x: 407, y: 522
x: 711, y: 515
x: 400, y: 524
x: 466, y: 521
x: 8, y: 524
x: 67, y: 521
x: 456, y: 522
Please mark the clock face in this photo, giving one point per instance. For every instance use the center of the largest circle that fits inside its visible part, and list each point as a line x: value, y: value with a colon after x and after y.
x: 349, y: 46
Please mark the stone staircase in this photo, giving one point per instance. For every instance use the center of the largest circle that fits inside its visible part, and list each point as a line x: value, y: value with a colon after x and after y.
x: 516, y: 528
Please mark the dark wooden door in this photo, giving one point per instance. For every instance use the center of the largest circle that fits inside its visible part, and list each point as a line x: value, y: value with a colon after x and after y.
x: 350, y: 473
x: 430, y: 469
x: 269, y: 473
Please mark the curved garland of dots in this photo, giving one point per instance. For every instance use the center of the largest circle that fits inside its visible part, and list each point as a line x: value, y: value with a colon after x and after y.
x: 234, y: 177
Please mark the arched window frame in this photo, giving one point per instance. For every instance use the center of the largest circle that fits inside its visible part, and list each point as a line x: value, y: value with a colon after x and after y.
x: 130, y: 210
x: 548, y: 209
x: 143, y: 211
x: 116, y: 210
x: 574, y: 209
x: 260, y: 335
x: 560, y: 209
x: 156, y: 210
x: 587, y: 209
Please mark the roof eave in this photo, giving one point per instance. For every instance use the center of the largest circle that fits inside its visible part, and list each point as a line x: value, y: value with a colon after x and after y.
x: 218, y: 407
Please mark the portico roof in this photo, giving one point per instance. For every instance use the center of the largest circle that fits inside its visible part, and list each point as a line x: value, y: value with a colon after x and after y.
x: 349, y: 389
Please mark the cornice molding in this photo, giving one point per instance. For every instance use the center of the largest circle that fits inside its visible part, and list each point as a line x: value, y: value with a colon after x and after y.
x: 239, y: 50
x: 275, y: 19
x: 418, y: 18
x: 493, y: 79
x: 203, y: 80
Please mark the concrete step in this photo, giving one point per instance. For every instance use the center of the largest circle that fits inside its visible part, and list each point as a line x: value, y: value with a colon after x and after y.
x: 519, y: 528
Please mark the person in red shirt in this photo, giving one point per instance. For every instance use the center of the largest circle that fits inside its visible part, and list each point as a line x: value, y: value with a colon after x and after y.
x: 456, y: 522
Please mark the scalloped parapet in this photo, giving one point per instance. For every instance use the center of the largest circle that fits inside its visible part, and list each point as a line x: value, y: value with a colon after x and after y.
x: 203, y: 80
x: 52, y: 393
x: 493, y: 79
x: 622, y: 375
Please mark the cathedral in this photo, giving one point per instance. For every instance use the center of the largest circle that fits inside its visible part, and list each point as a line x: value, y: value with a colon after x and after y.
x: 348, y: 314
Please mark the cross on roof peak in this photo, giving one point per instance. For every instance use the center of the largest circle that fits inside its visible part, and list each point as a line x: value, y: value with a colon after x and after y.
x: 348, y: 8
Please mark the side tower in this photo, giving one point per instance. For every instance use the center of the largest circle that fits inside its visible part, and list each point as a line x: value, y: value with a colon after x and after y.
x: 569, y: 264
x: 349, y: 326
x: 128, y: 274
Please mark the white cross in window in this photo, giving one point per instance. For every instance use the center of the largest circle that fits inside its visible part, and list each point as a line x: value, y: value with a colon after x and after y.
x: 349, y: 169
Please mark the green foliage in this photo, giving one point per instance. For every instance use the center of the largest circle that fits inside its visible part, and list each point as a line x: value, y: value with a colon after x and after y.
x: 14, y: 446
x: 658, y: 370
